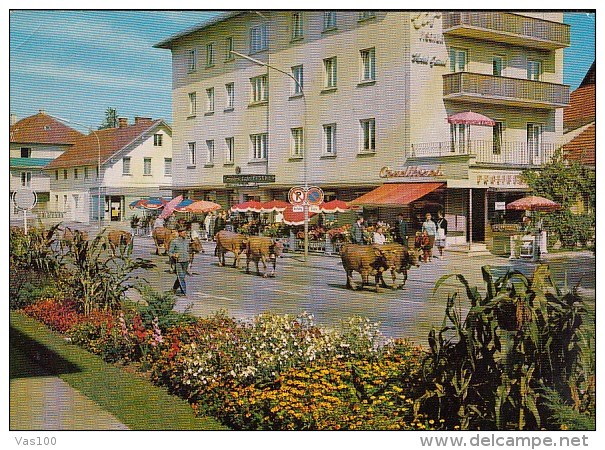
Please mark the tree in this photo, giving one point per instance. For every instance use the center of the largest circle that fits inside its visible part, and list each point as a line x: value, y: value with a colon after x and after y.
x: 111, y: 119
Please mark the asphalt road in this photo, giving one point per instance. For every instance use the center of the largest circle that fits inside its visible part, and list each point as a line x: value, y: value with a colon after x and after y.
x: 318, y: 287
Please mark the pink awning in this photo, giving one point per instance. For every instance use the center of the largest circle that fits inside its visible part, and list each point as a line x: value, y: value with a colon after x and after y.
x: 471, y: 118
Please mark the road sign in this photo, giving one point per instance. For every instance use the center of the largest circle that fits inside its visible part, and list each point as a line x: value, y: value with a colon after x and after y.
x: 315, y: 196
x: 297, y: 195
x: 314, y: 208
x: 25, y: 199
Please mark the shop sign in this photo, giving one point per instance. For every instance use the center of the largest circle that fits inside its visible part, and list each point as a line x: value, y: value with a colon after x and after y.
x: 248, y: 178
x: 499, y: 206
x: 423, y: 19
x: 502, y: 180
x: 428, y: 60
x: 412, y: 172
x: 431, y: 38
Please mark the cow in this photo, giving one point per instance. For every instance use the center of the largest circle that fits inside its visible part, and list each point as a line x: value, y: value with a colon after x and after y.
x: 118, y: 239
x: 228, y: 241
x: 69, y: 236
x: 162, y: 237
x: 398, y: 260
x: 263, y: 249
x: 366, y: 260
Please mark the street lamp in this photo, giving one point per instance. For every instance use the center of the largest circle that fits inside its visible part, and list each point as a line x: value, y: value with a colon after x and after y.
x: 306, y: 186
x: 90, y: 129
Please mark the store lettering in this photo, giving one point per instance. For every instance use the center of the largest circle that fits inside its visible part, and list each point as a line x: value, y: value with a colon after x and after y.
x: 430, y: 61
x: 420, y: 20
x: 431, y: 38
x: 411, y: 172
x: 499, y: 180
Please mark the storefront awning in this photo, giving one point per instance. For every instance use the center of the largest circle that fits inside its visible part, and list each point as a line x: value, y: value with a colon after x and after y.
x: 395, y: 194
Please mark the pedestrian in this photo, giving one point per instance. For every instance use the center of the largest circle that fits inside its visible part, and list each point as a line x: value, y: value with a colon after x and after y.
x: 441, y: 233
x: 431, y: 230
x: 379, y: 237
x: 179, y: 251
x: 208, y: 221
x: 357, y: 231
x: 220, y: 222
x: 426, y: 245
x: 418, y: 244
x: 158, y: 222
x: 195, y: 246
x: 401, y: 230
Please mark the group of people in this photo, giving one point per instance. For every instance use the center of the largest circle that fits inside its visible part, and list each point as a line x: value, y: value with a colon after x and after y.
x: 433, y: 233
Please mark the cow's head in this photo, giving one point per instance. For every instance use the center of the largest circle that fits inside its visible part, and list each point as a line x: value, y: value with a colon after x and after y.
x: 414, y: 258
x: 276, y: 249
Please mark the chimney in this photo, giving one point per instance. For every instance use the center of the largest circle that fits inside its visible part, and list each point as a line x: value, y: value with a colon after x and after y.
x: 13, y: 119
x: 41, y: 111
x: 138, y: 120
x: 122, y: 122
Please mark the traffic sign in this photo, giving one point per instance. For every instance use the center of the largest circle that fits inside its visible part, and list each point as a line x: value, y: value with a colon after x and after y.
x: 25, y: 199
x: 297, y: 195
x: 315, y: 196
x: 314, y: 209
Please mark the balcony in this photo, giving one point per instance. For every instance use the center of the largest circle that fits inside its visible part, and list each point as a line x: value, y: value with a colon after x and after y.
x: 476, y: 87
x: 487, y: 152
x: 507, y: 27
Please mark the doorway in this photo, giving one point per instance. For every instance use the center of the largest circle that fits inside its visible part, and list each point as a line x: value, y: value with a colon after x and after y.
x: 116, y: 209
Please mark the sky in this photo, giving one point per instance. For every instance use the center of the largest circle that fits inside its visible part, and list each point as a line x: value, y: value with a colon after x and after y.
x: 75, y: 64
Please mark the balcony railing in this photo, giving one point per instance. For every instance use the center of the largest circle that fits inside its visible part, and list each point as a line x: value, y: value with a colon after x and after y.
x: 478, y: 87
x: 488, y: 152
x: 507, y: 27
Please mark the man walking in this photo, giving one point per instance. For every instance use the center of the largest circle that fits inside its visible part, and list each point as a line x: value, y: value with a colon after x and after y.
x: 401, y: 230
x: 357, y: 231
x: 179, y: 251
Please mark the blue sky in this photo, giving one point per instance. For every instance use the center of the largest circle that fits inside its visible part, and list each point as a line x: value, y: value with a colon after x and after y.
x: 76, y: 64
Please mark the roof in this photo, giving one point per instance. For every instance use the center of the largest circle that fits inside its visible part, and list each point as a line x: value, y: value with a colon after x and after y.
x: 87, y: 149
x: 581, y: 109
x: 29, y: 163
x: 42, y: 129
x: 167, y: 43
x: 395, y: 194
x: 583, y: 148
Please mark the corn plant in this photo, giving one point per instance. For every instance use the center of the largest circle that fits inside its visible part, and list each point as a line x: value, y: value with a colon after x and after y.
x: 487, y: 368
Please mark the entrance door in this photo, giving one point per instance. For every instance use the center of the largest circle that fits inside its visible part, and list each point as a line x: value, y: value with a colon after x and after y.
x: 116, y: 209
x: 479, y: 215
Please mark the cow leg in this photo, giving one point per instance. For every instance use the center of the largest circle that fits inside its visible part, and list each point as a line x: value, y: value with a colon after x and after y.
x: 349, y: 279
x: 264, y: 261
x: 256, y: 261
x: 236, y: 260
x: 247, y: 264
x: 405, y: 277
x: 274, y: 264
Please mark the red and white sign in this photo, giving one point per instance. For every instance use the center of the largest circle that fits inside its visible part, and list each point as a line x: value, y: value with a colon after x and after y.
x: 297, y: 195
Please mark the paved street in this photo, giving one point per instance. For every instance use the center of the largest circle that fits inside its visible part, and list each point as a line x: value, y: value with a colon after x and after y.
x: 318, y: 287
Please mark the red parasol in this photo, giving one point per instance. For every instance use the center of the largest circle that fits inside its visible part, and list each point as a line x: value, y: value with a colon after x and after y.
x: 334, y: 206
x: 533, y: 203
x: 200, y: 206
x: 274, y: 205
x: 294, y: 218
x: 169, y: 207
x: 249, y: 206
x: 471, y: 118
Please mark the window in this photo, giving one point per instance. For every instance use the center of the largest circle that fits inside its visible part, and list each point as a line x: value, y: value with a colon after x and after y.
x: 210, y: 154
x: 75, y: 174
x: 497, y: 134
x: 368, y: 64
x: 167, y: 167
x: 126, y: 165
x: 146, y: 166
x: 65, y: 174
x: 56, y: 174
x: 157, y: 140
x: 97, y: 172
x: 209, y: 55
x: 230, y: 88
x: 86, y: 174
x: 329, y: 20
x: 191, y: 60
x: 330, y: 72
x: 191, y: 153
x: 458, y: 133
x: 458, y: 58
x: 258, y: 38
x: 259, y: 146
x: 368, y: 131
x: 210, y: 100
x: 297, y: 25
x: 297, y: 81
x: 260, y: 91
x: 26, y: 179
x: 229, y: 150
x: 64, y: 202
x: 26, y: 152
x: 297, y: 146
x: 192, y: 104
x: 364, y: 15
x: 497, y: 65
x: 534, y: 142
x: 329, y: 147
x: 534, y: 70
x: 228, y: 48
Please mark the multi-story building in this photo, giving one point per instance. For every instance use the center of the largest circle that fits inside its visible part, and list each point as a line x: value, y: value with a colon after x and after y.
x: 34, y: 142
x: 352, y: 101
x: 111, y: 167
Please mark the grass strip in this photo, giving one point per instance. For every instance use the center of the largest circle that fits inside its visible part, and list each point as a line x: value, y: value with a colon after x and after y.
x: 134, y: 401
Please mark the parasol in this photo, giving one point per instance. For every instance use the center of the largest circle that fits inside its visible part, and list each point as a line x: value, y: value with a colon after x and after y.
x: 533, y: 203
x: 274, y: 205
x: 148, y: 203
x: 249, y: 206
x: 471, y: 118
x: 200, y: 206
x: 294, y: 218
x: 169, y: 207
x: 334, y: 206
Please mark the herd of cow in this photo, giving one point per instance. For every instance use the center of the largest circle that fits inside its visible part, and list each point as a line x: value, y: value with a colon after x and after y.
x: 367, y: 260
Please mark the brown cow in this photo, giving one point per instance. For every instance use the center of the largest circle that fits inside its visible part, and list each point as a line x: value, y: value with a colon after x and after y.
x: 365, y: 259
x: 162, y: 237
x: 228, y: 241
x: 398, y: 260
x: 118, y: 239
x: 263, y: 249
x: 69, y: 235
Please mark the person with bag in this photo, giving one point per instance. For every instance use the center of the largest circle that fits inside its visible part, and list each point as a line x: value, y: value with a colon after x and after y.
x: 441, y: 233
x: 179, y: 251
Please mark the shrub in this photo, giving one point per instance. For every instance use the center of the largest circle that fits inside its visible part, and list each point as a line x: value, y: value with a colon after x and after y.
x: 34, y: 250
x: 57, y: 315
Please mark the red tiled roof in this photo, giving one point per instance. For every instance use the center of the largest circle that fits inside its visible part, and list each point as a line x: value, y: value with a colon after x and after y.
x: 86, y: 150
x: 582, y: 148
x: 42, y: 129
x: 581, y: 109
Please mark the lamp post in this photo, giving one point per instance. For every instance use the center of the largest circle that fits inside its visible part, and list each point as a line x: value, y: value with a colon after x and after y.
x: 306, y: 185
x: 98, y: 163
